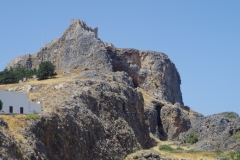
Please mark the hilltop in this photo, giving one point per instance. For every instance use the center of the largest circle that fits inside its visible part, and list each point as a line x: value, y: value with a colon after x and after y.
x: 107, y: 103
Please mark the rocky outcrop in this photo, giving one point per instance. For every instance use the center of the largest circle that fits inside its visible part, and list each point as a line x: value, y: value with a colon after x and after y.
x: 215, y: 132
x: 150, y: 70
x: 9, y: 149
x: 147, y: 155
x: 78, y: 47
x: 102, y: 114
x: 167, y: 121
x: 101, y: 120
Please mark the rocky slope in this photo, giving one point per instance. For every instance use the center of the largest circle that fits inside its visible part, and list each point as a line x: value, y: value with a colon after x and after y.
x: 9, y: 148
x: 79, y: 46
x: 108, y: 101
x: 100, y: 119
x: 215, y: 132
x: 93, y: 123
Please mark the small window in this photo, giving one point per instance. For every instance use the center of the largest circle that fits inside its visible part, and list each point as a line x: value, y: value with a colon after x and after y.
x: 10, y: 109
x: 21, y: 110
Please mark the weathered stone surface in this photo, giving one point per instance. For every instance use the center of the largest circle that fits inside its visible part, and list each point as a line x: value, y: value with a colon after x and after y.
x: 101, y: 120
x: 214, y: 132
x: 166, y: 121
x: 147, y: 155
x: 101, y: 115
x: 150, y: 70
x: 77, y: 47
x: 8, y: 146
x: 174, y: 121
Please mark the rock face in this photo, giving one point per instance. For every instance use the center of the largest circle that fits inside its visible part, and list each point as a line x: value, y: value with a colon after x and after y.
x: 147, y: 155
x: 166, y: 121
x: 101, y: 120
x: 8, y: 146
x: 151, y: 71
x: 79, y: 46
x: 104, y: 116
x: 215, y: 131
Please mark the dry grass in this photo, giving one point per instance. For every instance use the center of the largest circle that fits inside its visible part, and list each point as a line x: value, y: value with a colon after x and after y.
x: 188, y: 155
x: 47, y: 94
x: 148, y: 97
x: 50, y: 97
x: 16, y: 124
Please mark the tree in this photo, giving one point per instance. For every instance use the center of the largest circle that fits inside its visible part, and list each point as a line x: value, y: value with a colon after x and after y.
x: 1, y: 104
x: 45, y: 70
x: 7, y: 77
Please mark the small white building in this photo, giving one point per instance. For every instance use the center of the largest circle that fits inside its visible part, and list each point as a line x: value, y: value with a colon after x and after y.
x: 17, y: 103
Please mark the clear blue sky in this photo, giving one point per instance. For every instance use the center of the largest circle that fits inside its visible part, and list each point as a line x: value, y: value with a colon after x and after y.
x: 202, y: 38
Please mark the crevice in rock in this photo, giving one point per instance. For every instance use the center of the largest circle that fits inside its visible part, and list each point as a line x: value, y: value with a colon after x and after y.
x: 162, y: 133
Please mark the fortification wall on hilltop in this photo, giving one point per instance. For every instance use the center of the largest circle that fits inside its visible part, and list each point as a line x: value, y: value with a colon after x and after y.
x: 84, y: 25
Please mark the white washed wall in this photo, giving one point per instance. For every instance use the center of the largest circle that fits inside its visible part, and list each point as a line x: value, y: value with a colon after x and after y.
x: 17, y: 100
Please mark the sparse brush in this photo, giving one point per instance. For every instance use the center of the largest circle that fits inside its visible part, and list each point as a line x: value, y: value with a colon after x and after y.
x: 236, y: 136
x: 232, y: 116
x: 179, y: 149
x: 31, y: 117
x: 192, y: 138
x: 165, y: 148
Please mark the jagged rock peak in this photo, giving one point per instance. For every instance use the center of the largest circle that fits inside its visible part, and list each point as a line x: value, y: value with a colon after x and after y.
x: 84, y: 26
x: 79, y: 47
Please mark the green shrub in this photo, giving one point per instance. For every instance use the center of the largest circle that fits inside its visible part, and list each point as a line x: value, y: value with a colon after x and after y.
x: 176, y: 138
x: 179, y: 149
x: 13, y: 75
x: 235, y: 156
x: 1, y: 104
x: 192, y: 138
x: 31, y: 117
x: 232, y: 116
x: 165, y: 148
x: 193, y: 151
x: 224, y: 158
x: 218, y: 151
x: 183, y: 144
x: 45, y: 70
x: 236, y: 136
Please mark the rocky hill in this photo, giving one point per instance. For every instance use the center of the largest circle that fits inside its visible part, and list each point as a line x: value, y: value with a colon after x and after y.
x: 106, y: 103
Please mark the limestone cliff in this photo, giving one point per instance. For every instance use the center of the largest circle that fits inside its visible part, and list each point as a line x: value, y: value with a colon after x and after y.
x: 79, y: 47
x: 150, y: 70
x: 216, y: 132
x: 102, y: 108
x: 106, y: 103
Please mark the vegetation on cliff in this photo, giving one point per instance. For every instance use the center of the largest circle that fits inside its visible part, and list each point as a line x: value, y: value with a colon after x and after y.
x: 1, y: 104
x: 45, y: 70
x: 13, y: 75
